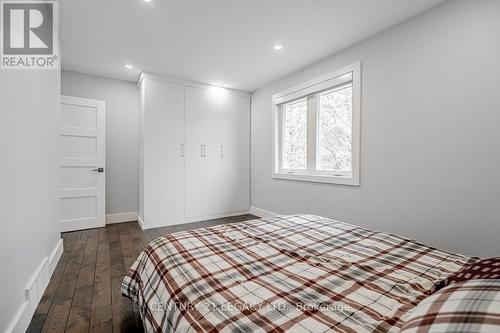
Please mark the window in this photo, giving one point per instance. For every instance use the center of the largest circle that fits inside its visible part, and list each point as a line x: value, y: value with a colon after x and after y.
x: 316, y: 129
x: 295, y: 135
x: 335, y: 130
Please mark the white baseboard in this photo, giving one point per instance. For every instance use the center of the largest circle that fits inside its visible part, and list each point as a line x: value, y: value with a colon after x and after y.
x: 158, y: 224
x: 34, y: 290
x: 21, y: 320
x: 262, y: 212
x: 121, y: 217
x: 140, y: 221
x: 55, y: 256
x: 80, y: 224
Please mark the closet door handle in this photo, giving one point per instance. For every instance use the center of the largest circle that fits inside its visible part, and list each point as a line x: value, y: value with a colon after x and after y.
x: 201, y: 150
x: 222, y: 151
x: 181, y: 149
x: 204, y: 150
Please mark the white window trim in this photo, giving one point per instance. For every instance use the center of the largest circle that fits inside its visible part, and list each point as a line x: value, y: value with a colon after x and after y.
x: 319, y: 84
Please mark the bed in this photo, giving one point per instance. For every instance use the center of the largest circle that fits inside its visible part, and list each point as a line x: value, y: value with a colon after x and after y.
x: 299, y: 273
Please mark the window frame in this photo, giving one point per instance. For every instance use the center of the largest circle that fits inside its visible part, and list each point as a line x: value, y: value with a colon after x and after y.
x: 311, y: 90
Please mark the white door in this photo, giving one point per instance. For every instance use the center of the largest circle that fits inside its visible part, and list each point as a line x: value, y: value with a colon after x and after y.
x: 235, y: 189
x: 82, y: 163
x: 164, y: 152
x: 195, y: 152
x: 214, y: 113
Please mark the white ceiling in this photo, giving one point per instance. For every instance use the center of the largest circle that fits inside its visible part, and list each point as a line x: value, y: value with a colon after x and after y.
x: 218, y: 41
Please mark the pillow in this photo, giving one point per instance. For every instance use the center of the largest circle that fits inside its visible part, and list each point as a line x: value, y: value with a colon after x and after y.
x: 483, y: 269
x: 469, y: 306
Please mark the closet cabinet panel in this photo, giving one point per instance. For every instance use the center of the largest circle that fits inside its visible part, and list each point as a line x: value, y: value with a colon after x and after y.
x: 214, y: 116
x: 163, y: 131
x: 236, y: 154
x: 195, y: 152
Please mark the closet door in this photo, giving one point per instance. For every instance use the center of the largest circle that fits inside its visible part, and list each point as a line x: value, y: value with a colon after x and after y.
x: 217, y: 152
x: 236, y: 154
x: 163, y: 155
x: 215, y: 105
x: 195, y: 151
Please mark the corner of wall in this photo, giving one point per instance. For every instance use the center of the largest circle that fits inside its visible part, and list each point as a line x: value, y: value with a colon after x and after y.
x: 262, y: 212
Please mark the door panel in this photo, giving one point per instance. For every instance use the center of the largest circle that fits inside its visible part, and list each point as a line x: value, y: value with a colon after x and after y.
x: 164, y: 161
x: 78, y: 207
x: 79, y: 116
x: 82, y: 152
x: 78, y: 177
x: 214, y: 114
x: 73, y: 146
x: 195, y: 162
x: 235, y: 187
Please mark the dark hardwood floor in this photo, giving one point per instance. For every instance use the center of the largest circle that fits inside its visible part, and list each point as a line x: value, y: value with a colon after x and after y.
x: 83, y: 294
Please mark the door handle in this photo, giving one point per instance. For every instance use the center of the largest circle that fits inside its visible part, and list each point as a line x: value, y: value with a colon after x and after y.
x: 204, y: 150
x: 222, y: 151
x: 182, y: 150
x: 98, y: 170
x: 201, y: 151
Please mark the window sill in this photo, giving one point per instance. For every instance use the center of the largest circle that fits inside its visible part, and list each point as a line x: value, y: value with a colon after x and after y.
x: 326, y: 179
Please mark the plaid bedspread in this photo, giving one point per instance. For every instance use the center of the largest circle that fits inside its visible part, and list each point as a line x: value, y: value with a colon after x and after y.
x: 298, y: 273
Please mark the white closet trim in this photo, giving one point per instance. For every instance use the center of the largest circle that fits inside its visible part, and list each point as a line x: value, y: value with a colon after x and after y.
x: 182, y: 82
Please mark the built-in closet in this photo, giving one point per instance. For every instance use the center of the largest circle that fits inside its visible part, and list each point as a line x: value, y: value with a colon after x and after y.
x: 194, y: 151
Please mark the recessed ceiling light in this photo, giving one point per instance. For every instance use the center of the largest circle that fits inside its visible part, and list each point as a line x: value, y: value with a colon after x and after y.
x: 128, y: 66
x: 278, y: 47
x: 147, y: 1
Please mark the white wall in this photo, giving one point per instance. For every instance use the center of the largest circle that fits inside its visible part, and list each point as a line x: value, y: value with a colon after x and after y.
x: 29, y: 204
x: 430, y: 150
x: 122, y: 117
